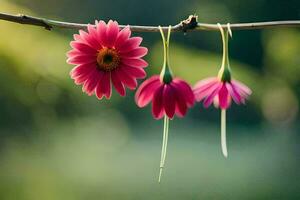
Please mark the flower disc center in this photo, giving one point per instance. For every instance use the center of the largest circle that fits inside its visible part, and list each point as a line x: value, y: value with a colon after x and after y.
x: 108, y: 59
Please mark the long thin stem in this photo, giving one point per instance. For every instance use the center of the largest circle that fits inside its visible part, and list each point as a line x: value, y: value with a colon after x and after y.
x: 189, y: 24
x: 223, y: 133
x: 164, y: 147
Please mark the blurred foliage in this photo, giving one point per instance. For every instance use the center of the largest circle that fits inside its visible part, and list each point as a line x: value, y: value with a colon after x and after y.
x: 58, y: 143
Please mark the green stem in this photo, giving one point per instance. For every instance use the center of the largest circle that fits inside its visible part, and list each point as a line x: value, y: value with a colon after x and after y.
x: 166, y: 73
x: 225, y: 71
x: 164, y: 147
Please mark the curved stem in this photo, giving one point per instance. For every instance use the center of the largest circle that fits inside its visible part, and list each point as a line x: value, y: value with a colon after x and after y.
x: 223, y: 133
x: 164, y: 147
x: 225, y: 71
x: 166, y: 73
x: 225, y: 60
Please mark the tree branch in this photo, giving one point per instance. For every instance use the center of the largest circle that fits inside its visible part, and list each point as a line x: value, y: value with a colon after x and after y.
x: 190, y: 24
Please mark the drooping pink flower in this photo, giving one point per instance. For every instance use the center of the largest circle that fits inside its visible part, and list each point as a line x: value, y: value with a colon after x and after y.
x: 167, y: 98
x: 106, y: 55
x: 221, y: 92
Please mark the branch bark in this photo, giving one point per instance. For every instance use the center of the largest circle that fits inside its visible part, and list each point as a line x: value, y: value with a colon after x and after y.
x: 190, y: 24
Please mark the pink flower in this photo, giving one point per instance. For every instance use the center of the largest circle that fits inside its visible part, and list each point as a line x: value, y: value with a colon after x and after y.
x: 220, y: 92
x: 167, y: 98
x: 104, y: 55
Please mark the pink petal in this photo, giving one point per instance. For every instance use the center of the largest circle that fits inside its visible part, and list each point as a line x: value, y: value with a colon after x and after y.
x: 145, y: 92
x: 117, y: 83
x: 75, y: 52
x: 90, y: 39
x: 127, y: 79
x: 223, y: 97
x: 203, y: 88
x: 123, y: 35
x: 209, y: 99
x: 91, y: 83
x: 186, y: 89
x: 81, y: 59
x: 130, y: 44
x: 241, y: 87
x: 78, y: 38
x: 169, y: 100
x: 237, y: 98
x: 101, y: 32
x: 207, y: 91
x: 135, y: 53
x: 94, y: 36
x: 82, y: 47
x: 104, y: 87
x: 83, y: 77
x: 134, y: 71
x: 157, y: 103
x: 112, y: 33
x: 181, y: 104
x: 81, y: 69
x: 134, y: 62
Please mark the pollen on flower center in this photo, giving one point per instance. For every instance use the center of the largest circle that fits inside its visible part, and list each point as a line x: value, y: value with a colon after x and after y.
x: 108, y: 59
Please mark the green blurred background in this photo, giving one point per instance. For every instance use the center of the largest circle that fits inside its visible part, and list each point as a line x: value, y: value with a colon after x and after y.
x: 59, y: 144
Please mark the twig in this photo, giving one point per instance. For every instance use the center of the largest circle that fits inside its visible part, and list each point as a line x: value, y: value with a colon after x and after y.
x: 190, y: 24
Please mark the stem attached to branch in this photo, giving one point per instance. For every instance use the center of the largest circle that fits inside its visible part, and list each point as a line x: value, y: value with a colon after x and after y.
x: 190, y: 24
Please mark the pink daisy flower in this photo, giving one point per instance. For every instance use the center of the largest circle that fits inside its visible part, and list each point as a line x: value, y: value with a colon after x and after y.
x: 167, y: 99
x: 214, y: 90
x: 106, y: 55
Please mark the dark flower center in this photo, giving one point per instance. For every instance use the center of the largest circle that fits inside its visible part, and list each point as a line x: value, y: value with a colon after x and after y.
x: 108, y: 59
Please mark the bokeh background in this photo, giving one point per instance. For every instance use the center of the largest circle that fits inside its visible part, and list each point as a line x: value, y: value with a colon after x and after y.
x: 56, y: 143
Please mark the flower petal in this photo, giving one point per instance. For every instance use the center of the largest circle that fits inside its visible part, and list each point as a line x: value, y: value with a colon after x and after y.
x: 134, y: 71
x: 224, y: 97
x: 81, y: 59
x: 157, y: 103
x: 104, y: 86
x: 209, y: 99
x: 123, y: 36
x: 118, y: 83
x: 111, y: 33
x: 101, y: 32
x: 135, y: 53
x: 91, y: 83
x: 245, y: 91
x: 236, y: 96
x: 181, y: 104
x: 127, y: 79
x: 83, y: 77
x: 89, y: 39
x: 82, y: 47
x: 130, y: 44
x: 187, y: 90
x: 145, y: 92
x: 135, y: 62
x: 169, y: 100
x: 204, y: 87
x: 82, y: 69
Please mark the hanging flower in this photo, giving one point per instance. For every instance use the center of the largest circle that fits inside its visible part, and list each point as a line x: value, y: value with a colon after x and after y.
x: 215, y: 90
x: 222, y: 89
x: 104, y: 55
x: 169, y: 96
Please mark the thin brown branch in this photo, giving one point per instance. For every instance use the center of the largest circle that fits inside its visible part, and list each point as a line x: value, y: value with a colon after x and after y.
x: 190, y: 24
